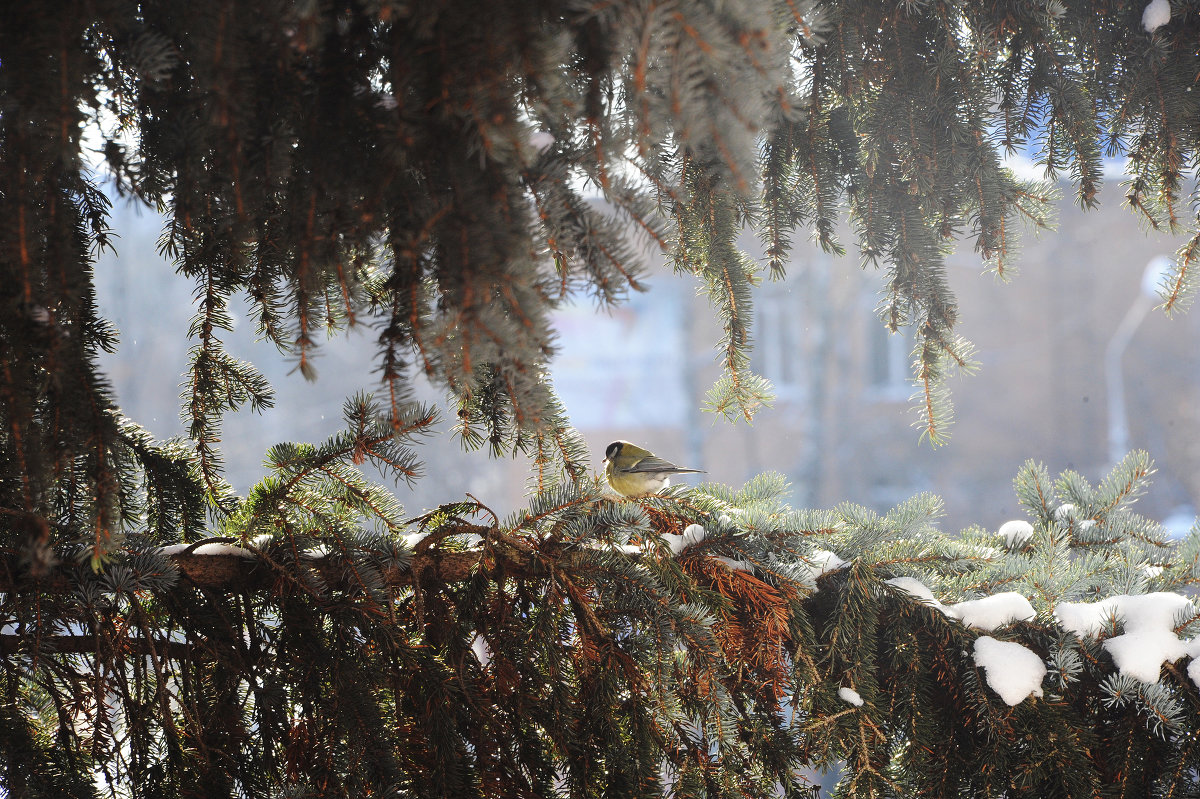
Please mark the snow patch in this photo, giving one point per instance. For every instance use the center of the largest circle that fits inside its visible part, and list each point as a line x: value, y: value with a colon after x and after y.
x: 222, y: 549
x: 214, y: 548
x: 412, y: 539
x: 918, y: 589
x: 483, y: 652
x: 994, y: 611
x: 735, y: 565
x: 541, y: 140
x: 850, y: 696
x: 1011, y: 670
x: 819, y: 562
x: 1141, y: 654
x: 1194, y: 666
x: 606, y: 546
x: 1148, y: 621
x: 1142, y: 611
x: 1157, y: 14
x: 1016, y: 532
x: 692, y: 534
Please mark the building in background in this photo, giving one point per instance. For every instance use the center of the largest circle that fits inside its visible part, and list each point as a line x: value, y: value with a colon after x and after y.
x: 841, y: 428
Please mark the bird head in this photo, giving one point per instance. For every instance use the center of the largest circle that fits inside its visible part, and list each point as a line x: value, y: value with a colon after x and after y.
x: 619, y: 448
x: 614, y: 449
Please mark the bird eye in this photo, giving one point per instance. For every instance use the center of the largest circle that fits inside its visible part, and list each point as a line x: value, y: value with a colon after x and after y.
x: 613, y: 450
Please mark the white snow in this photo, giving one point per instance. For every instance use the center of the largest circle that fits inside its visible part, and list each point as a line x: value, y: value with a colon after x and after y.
x: 994, y: 611
x: 1141, y: 655
x: 850, y: 696
x: 1016, y: 532
x: 483, y: 652
x: 692, y: 534
x: 735, y: 565
x: 607, y: 546
x: 822, y: 561
x: 1143, y: 611
x: 1148, y: 622
x: 1012, y: 671
x: 222, y: 549
x: 541, y: 140
x: 1064, y: 511
x: 1194, y: 666
x: 918, y: 589
x: 412, y: 539
x: 214, y: 548
x: 1157, y: 14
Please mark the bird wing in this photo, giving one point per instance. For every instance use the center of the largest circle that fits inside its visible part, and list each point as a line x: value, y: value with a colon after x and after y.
x: 652, y: 463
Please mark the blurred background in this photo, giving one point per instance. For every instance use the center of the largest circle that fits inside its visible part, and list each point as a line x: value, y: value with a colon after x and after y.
x: 1076, y: 367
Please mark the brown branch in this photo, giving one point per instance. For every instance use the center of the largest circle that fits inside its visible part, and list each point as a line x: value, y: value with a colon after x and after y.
x: 88, y: 644
x: 234, y: 573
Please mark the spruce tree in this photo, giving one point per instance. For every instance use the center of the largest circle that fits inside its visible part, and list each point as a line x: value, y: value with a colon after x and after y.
x: 425, y: 169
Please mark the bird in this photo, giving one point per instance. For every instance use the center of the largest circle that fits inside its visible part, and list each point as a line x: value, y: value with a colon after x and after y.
x: 636, y: 472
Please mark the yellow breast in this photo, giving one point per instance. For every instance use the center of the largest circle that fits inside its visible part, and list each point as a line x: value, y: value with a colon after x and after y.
x: 634, y: 484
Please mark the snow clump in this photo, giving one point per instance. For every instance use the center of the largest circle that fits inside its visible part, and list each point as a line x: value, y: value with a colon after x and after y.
x: 1012, y: 671
x: 1151, y: 570
x: 735, y: 565
x: 692, y: 534
x: 412, y: 539
x: 819, y: 562
x: 918, y: 589
x: 1148, y: 621
x: 1157, y: 14
x: 994, y: 611
x: 541, y: 140
x: 214, y: 548
x: 481, y: 650
x: 1016, y: 532
x: 850, y: 696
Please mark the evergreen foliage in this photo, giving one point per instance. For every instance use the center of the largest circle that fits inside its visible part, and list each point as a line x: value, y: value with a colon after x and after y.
x: 426, y: 169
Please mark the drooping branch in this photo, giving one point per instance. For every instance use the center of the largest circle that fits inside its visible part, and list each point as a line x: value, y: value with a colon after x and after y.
x: 240, y: 574
x: 88, y: 644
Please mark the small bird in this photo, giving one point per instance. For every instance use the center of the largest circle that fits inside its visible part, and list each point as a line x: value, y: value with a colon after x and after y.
x: 635, y: 472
